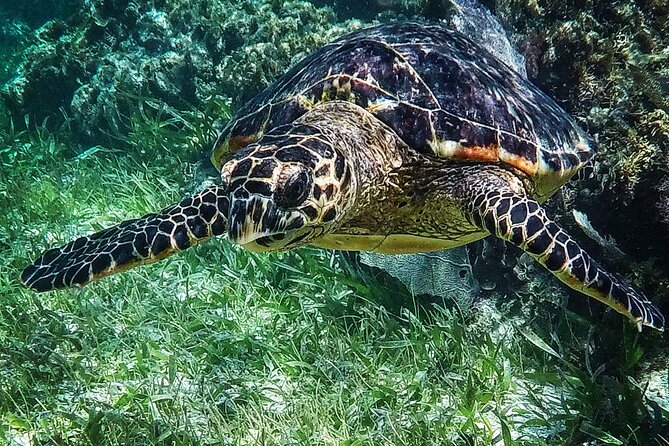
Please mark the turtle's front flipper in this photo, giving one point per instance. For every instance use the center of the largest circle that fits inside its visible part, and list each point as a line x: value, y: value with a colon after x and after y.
x: 131, y: 243
x: 521, y: 220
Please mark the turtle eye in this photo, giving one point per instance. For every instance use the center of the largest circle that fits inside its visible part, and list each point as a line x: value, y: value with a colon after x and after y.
x: 293, y: 192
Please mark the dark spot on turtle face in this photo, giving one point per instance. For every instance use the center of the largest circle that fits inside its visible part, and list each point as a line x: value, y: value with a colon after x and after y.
x: 79, y: 243
x: 552, y: 228
x: 264, y: 169
x: 150, y: 232
x: 329, y: 215
x: 242, y: 168
x: 258, y: 188
x: 52, y: 254
x: 44, y: 283
x: 59, y: 280
x: 270, y: 220
x: 296, y: 154
x: 618, y: 293
x: 28, y: 273
x: 310, y: 211
x: 293, y: 191
x: 237, y: 184
x: 264, y: 241
x: 478, y: 201
x: 122, y: 254
x: 556, y: 258
x: 561, y: 238
x: 571, y: 160
x: 329, y: 191
x: 207, y: 212
x: 257, y: 214
x: 240, y: 193
x: 178, y: 218
x: 190, y: 211
x: 127, y: 237
x: 319, y: 147
x: 306, y: 130
x: 323, y: 171
x: 603, y: 282
x: 339, y: 166
x: 299, y: 239
x: 223, y: 205
x: 552, y: 160
x: 264, y: 153
x: 297, y: 223
x: 317, y: 192
x: 218, y: 227
x: 490, y: 222
x: 69, y: 274
x: 589, y: 270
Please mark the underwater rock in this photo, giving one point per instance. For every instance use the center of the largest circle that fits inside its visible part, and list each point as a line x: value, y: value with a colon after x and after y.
x: 95, y: 66
x: 607, y: 64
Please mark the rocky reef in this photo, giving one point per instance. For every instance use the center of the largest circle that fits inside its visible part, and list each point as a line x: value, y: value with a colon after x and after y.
x: 90, y: 68
x: 607, y: 63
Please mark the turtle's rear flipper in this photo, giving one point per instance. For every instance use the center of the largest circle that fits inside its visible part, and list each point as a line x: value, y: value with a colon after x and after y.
x: 131, y: 243
x: 522, y: 221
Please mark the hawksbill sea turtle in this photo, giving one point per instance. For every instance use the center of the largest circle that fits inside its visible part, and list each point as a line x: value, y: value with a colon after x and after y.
x: 398, y: 138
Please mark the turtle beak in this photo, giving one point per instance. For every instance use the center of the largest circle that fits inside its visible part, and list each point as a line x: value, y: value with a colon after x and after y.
x: 249, y: 220
x: 259, y: 225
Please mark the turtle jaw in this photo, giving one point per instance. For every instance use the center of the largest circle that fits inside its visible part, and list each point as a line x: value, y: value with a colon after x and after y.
x: 257, y: 224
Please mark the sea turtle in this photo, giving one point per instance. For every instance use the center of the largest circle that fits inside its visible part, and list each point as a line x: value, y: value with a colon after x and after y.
x: 398, y: 138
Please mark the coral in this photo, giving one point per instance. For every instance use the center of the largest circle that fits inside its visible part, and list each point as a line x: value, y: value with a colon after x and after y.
x: 606, y: 64
x: 89, y: 68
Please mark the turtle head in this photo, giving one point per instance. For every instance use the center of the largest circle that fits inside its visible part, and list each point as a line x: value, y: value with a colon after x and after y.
x: 285, y: 192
